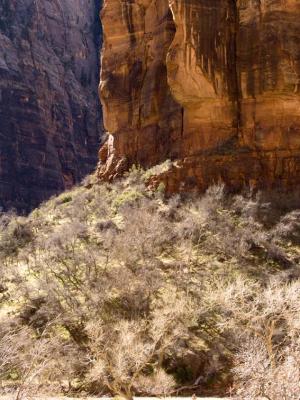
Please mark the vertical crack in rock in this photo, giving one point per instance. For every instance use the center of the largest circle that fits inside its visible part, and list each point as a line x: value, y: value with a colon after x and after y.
x: 233, y: 76
x: 127, y: 15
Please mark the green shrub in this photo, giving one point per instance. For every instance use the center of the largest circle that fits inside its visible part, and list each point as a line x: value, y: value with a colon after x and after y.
x: 126, y: 197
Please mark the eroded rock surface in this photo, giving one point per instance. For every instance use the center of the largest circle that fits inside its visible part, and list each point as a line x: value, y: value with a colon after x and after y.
x: 139, y: 109
x: 50, y: 118
x: 213, y: 85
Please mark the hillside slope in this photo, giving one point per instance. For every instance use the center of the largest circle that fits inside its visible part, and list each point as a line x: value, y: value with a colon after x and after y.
x: 114, y: 289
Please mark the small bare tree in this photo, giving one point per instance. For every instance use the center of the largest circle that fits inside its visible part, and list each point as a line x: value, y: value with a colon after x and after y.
x: 128, y: 357
x: 258, y: 377
x: 264, y: 322
x: 34, y: 359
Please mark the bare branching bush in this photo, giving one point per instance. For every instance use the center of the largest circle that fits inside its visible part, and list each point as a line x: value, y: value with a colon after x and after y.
x: 29, y: 358
x: 267, y: 324
x: 128, y: 356
x: 113, y: 289
x: 289, y: 226
x: 260, y: 377
x: 15, y: 233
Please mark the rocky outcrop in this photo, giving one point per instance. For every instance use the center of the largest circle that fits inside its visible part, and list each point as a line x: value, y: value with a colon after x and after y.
x: 50, y: 120
x: 213, y: 85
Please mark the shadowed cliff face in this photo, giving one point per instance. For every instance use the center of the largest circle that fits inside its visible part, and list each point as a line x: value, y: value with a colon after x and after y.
x: 50, y: 121
x: 230, y: 73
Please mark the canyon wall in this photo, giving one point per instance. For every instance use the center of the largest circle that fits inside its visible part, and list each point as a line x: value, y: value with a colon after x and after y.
x: 50, y: 116
x: 212, y: 85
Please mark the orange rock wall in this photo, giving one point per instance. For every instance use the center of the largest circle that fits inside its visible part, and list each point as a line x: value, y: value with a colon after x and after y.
x: 213, y: 85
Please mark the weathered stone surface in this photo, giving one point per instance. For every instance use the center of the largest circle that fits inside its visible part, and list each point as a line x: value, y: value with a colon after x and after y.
x: 50, y: 120
x: 214, y: 85
x: 138, y: 108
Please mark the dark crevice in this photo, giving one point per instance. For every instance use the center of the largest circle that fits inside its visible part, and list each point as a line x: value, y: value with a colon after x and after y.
x: 127, y: 13
x: 182, y: 122
x: 233, y: 83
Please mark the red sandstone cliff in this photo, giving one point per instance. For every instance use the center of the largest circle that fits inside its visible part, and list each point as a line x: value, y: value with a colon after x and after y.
x: 213, y: 85
x: 50, y: 118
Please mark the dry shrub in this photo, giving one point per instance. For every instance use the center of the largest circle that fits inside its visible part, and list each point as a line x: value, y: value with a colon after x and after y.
x: 288, y: 227
x: 131, y: 293
x: 30, y: 358
x: 15, y: 233
x: 260, y: 377
x: 143, y: 236
x: 128, y: 356
x: 158, y: 384
x: 266, y: 326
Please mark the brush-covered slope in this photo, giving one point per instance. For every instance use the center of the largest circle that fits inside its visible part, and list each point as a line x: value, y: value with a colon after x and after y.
x: 116, y: 290
x: 212, y: 85
x: 49, y: 109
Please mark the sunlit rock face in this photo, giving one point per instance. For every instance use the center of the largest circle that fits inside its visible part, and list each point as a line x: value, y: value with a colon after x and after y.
x: 50, y: 116
x: 138, y: 107
x: 213, y: 85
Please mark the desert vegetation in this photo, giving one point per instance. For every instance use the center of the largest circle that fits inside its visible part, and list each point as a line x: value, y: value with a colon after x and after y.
x: 115, y: 289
